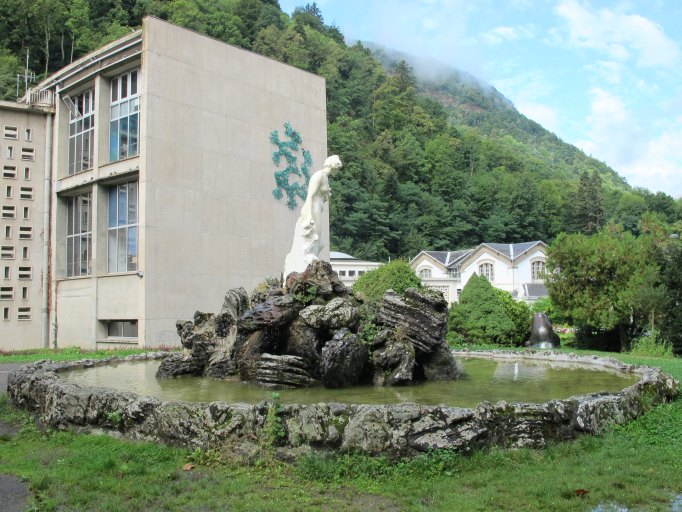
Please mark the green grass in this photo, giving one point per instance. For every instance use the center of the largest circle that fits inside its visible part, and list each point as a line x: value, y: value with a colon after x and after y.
x: 66, y: 354
x: 638, y: 466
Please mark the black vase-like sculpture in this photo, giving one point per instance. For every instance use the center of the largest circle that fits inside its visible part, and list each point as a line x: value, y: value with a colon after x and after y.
x: 541, y: 333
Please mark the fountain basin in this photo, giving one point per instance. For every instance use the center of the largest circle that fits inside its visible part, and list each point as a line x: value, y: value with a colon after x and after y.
x: 393, y: 429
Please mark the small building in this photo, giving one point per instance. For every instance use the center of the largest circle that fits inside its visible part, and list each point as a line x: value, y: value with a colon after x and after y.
x: 349, y: 268
x: 164, y: 183
x: 517, y: 268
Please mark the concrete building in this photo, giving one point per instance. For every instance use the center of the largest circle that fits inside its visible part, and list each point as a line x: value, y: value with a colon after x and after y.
x: 163, y: 154
x: 516, y: 268
x: 23, y: 250
x: 350, y: 268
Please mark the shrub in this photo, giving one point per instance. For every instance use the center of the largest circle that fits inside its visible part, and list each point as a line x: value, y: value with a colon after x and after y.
x: 546, y: 306
x: 396, y: 275
x: 479, y: 316
x: 519, y: 313
x: 652, y: 345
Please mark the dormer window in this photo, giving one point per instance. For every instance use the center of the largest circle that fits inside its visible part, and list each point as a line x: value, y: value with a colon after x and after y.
x: 487, y: 270
x: 425, y: 272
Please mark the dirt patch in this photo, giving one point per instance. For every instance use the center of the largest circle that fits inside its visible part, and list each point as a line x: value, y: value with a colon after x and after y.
x: 14, y: 494
x: 7, y: 430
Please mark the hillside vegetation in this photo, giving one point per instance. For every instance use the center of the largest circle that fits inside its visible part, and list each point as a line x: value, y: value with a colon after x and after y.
x: 427, y: 164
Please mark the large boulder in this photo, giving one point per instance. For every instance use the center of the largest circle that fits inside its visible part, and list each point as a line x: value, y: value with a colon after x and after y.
x: 344, y: 360
x: 337, y: 313
x: 276, y: 311
x: 304, y: 342
x: 271, y: 287
x: 177, y: 365
x: 439, y: 364
x: 421, y: 316
x: 282, y: 371
x: 317, y: 280
x: 393, y: 357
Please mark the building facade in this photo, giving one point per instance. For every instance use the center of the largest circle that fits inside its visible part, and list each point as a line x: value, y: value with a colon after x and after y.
x: 516, y: 268
x: 350, y: 268
x: 23, y: 252
x: 164, y: 191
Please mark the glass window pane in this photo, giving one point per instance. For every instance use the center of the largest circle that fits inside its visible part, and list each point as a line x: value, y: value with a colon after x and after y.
x: 132, y: 141
x: 72, y: 156
x: 123, y: 137
x: 79, y: 152
x: 114, y: 90
x: 122, y: 204
x: 132, y: 202
x: 132, y: 248
x: 130, y: 329
x: 111, y: 265
x: 69, y: 215
x: 135, y: 104
x: 88, y: 268
x: 115, y: 112
x: 112, y: 206
x: 113, y: 141
x: 133, y: 83
x: 124, y: 109
x: 124, y: 86
x: 122, y: 246
x: 86, y: 150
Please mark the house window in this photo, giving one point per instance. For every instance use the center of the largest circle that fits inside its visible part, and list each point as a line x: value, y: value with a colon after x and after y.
x: 537, y: 271
x: 6, y: 292
x: 28, y: 154
x: 8, y: 191
x: 26, y: 193
x: 78, y: 235
x: 9, y: 211
x: 27, y: 173
x: 27, y: 213
x: 9, y: 152
x: 7, y: 273
x: 122, y: 329
x: 487, y: 270
x: 81, y: 132
x: 25, y: 272
x: 124, y: 119
x: 123, y: 227
x: 5, y: 313
x: 25, y: 232
x: 7, y: 252
x: 11, y: 132
x: 28, y: 134
x: 9, y: 172
x: 455, y: 273
x: 342, y: 273
x: 8, y: 232
x: 24, y: 252
x: 24, y: 313
x: 351, y: 273
x: 24, y: 293
x: 425, y: 272
x: 360, y: 272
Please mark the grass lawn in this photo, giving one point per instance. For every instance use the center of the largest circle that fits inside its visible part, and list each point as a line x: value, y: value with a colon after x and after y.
x: 64, y: 354
x: 638, y: 466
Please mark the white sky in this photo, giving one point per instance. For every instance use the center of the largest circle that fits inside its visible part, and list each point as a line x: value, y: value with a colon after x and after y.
x: 603, y: 75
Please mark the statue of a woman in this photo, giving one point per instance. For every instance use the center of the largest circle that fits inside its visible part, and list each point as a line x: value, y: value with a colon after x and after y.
x: 307, y: 242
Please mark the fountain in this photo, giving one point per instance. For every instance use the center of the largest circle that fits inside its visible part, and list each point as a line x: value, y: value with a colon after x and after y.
x: 311, y: 332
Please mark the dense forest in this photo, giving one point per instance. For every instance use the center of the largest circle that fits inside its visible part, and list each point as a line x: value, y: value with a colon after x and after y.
x: 439, y: 164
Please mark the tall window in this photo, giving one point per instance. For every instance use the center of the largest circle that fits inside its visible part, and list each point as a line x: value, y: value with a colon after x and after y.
x: 537, y: 270
x: 124, y: 117
x: 425, y: 272
x: 81, y: 132
x: 123, y: 227
x: 487, y: 270
x: 78, y: 235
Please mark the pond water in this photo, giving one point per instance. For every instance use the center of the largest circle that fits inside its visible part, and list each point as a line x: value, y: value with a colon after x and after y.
x: 481, y: 379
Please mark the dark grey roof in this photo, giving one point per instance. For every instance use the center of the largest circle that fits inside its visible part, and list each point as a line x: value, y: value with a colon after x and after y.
x: 335, y: 255
x: 440, y: 256
x: 535, y: 290
x: 512, y: 251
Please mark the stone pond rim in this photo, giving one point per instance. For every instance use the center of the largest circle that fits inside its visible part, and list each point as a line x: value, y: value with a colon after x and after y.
x: 395, y: 430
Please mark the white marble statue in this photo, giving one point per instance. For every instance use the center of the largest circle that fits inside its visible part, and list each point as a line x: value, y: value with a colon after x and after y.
x: 307, y: 242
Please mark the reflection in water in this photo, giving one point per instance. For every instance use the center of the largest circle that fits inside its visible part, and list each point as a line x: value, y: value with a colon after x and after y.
x: 481, y: 380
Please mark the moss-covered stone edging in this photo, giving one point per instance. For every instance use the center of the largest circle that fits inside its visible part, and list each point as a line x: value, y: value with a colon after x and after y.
x: 396, y: 430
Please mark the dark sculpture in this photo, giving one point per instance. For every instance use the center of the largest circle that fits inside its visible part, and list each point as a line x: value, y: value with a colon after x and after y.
x: 541, y: 333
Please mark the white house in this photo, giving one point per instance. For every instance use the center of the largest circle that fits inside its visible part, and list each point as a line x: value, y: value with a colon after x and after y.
x: 350, y: 268
x: 516, y: 268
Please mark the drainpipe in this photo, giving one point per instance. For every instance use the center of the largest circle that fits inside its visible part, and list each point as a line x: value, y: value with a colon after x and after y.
x: 47, y: 189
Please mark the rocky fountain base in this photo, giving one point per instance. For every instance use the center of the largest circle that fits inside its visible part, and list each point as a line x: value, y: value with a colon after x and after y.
x: 315, y: 331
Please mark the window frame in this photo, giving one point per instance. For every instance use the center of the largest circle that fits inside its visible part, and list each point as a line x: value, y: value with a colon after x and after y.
x: 124, y: 116
x: 122, y: 227
x: 483, y: 266
x: 78, y: 231
x: 81, y: 129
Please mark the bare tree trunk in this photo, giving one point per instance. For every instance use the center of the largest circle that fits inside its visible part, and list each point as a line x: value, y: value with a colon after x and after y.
x: 624, y: 341
x: 47, y: 48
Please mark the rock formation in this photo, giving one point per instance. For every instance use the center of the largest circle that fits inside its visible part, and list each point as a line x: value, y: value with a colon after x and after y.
x: 315, y: 331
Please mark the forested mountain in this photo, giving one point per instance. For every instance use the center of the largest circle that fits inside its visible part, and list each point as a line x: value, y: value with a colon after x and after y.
x: 438, y: 164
